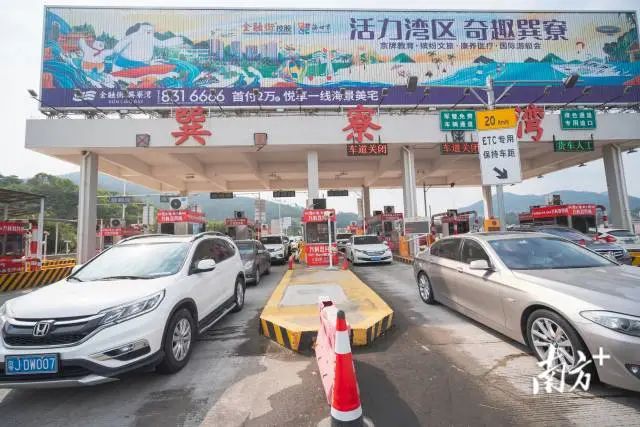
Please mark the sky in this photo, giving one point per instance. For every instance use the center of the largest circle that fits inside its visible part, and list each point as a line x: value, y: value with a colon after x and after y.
x: 20, y: 32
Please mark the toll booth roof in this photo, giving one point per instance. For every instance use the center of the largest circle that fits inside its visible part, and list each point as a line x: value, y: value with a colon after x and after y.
x: 19, y: 203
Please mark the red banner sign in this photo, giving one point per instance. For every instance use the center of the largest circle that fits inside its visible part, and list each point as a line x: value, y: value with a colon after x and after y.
x: 317, y: 254
x: 168, y: 215
x: 391, y: 216
x: 563, y: 210
x: 234, y: 222
x: 12, y: 227
x: 317, y: 215
x: 369, y: 149
x: 119, y: 231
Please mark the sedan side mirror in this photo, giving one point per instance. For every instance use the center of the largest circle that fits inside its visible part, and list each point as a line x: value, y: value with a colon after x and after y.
x: 205, y: 265
x: 479, y: 264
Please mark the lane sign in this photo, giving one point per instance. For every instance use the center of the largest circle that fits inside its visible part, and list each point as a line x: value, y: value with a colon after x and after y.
x: 583, y: 118
x: 124, y: 200
x: 337, y: 193
x: 284, y: 193
x: 457, y: 120
x: 496, y: 119
x: 221, y: 195
x: 499, y: 157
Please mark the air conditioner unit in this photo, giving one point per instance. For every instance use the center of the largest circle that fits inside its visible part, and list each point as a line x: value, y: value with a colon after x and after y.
x: 179, y: 203
x: 116, y: 223
x: 389, y: 209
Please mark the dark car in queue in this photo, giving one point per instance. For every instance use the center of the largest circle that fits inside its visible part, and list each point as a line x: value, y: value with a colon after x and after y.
x: 255, y: 259
x: 611, y: 250
x: 342, y: 239
x: 546, y: 292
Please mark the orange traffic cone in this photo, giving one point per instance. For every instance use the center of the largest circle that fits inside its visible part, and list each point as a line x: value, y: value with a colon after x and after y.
x: 291, y: 262
x: 345, y: 262
x: 345, y: 406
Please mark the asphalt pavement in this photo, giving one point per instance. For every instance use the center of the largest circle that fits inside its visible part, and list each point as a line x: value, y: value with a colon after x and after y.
x: 435, y: 368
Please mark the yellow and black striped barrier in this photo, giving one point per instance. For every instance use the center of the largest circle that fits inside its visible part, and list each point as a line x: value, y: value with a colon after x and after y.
x: 635, y: 258
x: 32, y: 279
x: 57, y: 263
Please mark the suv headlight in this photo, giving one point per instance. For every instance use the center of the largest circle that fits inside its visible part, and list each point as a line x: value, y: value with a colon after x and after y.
x: 623, y: 323
x: 132, y: 309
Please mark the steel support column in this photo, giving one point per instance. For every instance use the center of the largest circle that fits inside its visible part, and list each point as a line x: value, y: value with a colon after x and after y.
x: 409, y: 190
x: 87, y: 207
x: 366, y: 201
x: 487, y: 201
x: 619, y: 211
x: 313, y: 176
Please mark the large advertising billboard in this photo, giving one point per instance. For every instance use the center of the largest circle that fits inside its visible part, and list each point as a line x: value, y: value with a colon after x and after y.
x: 155, y: 58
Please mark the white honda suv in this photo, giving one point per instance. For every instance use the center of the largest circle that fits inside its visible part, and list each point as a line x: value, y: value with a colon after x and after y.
x: 140, y: 303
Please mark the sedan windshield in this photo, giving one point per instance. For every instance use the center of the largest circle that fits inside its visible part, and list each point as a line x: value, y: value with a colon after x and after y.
x: 366, y: 240
x: 543, y: 253
x: 271, y: 240
x: 134, y: 261
x: 246, y: 249
x: 343, y: 236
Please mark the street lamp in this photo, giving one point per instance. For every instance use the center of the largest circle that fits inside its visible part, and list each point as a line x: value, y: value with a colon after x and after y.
x: 34, y: 95
x: 78, y: 94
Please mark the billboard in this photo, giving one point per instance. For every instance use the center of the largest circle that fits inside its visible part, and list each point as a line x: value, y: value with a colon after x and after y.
x: 163, y: 58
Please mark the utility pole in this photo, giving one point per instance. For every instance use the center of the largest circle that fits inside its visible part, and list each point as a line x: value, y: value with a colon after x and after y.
x: 491, y: 103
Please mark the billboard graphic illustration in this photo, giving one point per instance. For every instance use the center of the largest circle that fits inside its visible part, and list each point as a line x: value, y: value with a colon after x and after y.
x: 114, y: 57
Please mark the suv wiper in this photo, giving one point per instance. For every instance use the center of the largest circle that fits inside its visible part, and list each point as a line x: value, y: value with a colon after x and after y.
x: 122, y: 277
x: 74, y: 278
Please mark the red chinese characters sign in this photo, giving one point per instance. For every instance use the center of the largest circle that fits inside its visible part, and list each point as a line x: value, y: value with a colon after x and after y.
x: 317, y: 254
x: 191, y: 121
x: 529, y: 121
x: 367, y: 150
x: 563, y: 210
x: 167, y: 215
x: 360, y: 121
x: 12, y: 227
x: 233, y: 222
x: 459, y: 148
x: 317, y: 215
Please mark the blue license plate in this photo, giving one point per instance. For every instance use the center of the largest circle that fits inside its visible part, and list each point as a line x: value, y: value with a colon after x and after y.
x: 375, y: 258
x: 31, y: 364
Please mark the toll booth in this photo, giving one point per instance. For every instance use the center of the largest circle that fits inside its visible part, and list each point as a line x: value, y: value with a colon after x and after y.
x: 581, y: 217
x: 388, y: 225
x: 239, y: 227
x: 318, y: 225
x: 452, y: 222
x: 18, y: 246
x: 109, y: 236
x: 181, y: 221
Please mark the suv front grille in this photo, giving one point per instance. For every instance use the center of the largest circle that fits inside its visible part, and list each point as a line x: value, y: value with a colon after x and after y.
x: 19, y: 332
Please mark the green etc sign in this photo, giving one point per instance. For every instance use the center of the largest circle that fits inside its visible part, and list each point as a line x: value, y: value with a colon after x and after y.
x: 457, y: 120
x: 584, y: 118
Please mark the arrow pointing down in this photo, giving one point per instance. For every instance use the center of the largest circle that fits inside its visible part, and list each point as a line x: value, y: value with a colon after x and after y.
x: 501, y: 174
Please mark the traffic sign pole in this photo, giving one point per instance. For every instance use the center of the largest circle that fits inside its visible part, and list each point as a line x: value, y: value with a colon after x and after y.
x: 491, y: 101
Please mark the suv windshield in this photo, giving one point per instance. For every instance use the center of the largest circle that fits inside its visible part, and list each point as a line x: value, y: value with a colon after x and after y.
x: 271, y: 240
x: 542, y: 253
x: 139, y: 261
x: 343, y: 236
x: 366, y: 240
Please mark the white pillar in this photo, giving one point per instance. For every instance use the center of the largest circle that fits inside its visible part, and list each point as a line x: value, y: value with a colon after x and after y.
x: 487, y: 201
x: 40, y: 234
x: 502, y: 216
x: 409, y: 190
x: 366, y: 201
x: 313, y: 176
x: 87, y: 207
x: 619, y: 211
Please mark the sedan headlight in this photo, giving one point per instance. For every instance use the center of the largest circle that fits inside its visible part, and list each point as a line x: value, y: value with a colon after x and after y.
x: 360, y: 251
x: 623, y: 323
x: 132, y: 309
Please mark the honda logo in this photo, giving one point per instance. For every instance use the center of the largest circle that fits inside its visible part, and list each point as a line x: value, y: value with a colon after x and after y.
x: 42, y: 328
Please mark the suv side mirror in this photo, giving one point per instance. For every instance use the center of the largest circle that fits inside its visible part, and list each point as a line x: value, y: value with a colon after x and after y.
x: 205, y: 265
x: 479, y: 264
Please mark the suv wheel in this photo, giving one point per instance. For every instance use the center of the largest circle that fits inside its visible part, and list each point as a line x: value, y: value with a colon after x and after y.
x: 239, y: 295
x: 548, y: 331
x: 178, y: 342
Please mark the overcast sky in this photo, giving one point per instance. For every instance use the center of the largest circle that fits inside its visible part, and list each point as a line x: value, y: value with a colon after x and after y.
x: 20, y: 32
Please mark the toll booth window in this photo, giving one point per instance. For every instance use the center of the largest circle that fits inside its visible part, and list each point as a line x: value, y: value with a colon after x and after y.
x: 12, y: 245
x: 317, y: 232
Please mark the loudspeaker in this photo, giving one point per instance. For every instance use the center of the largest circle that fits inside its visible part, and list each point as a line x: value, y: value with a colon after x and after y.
x: 238, y: 214
x: 389, y: 209
x: 319, y: 203
x: 412, y: 83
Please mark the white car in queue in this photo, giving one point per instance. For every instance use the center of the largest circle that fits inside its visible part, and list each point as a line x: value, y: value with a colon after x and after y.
x: 277, y: 246
x: 140, y: 303
x: 368, y: 249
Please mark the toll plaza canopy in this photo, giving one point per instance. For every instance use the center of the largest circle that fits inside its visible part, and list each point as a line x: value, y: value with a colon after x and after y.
x: 193, y: 100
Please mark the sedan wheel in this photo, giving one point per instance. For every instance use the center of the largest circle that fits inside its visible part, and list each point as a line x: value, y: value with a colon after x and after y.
x: 257, y: 276
x: 425, y: 290
x: 550, y: 336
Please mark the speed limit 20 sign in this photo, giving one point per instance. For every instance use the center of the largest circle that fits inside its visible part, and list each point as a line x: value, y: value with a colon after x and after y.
x: 504, y: 118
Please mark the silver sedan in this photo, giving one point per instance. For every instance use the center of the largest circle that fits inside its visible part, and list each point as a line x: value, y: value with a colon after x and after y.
x: 545, y: 292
